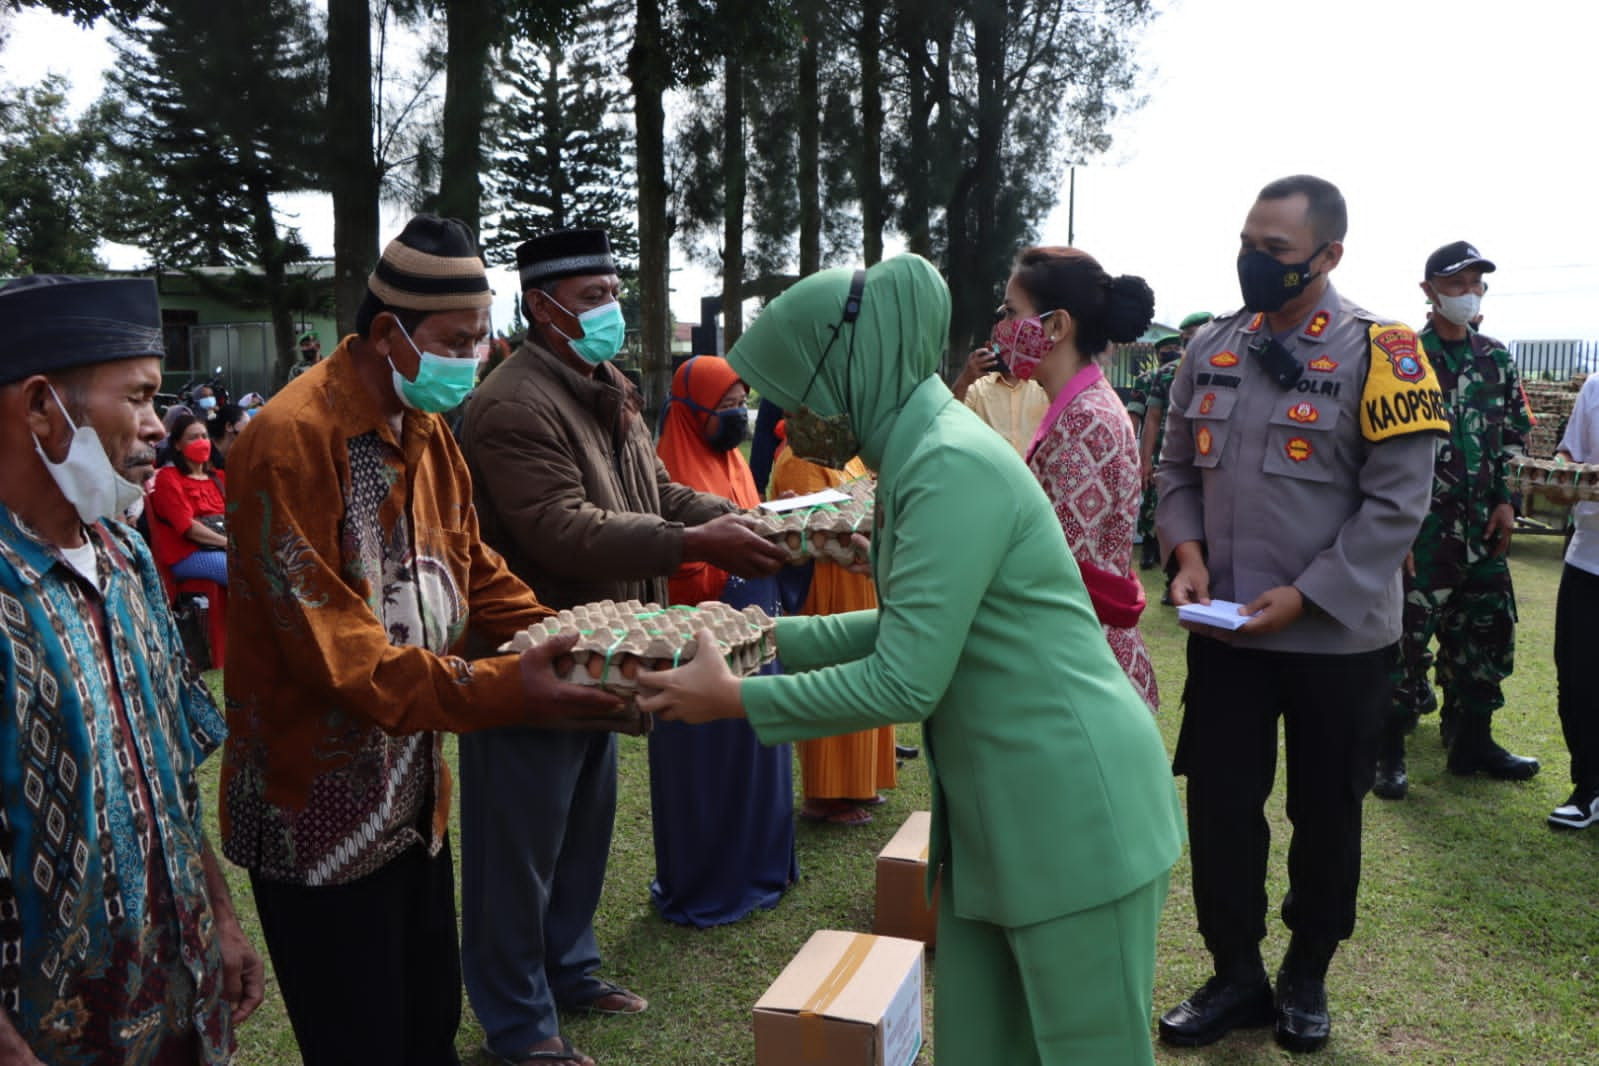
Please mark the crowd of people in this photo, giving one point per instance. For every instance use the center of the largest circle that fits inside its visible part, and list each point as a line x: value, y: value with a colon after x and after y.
x: 1340, y: 477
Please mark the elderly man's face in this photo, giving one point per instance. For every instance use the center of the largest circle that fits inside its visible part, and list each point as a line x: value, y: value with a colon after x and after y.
x: 572, y: 297
x: 117, y: 400
x: 454, y: 334
x: 588, y: 291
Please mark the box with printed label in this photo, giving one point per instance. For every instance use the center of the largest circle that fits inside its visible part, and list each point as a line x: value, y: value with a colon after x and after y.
x: 902, y: 907
x: 847, y: 999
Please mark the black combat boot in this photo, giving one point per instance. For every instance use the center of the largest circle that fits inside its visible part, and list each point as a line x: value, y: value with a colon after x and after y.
x: 1475, y: 751
x: 1149, y: 554
x: 1303, y: 1023
x: 1392, y: 782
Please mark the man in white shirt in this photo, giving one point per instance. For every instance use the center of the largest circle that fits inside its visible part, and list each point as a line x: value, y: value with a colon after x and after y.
x: 1577, y: 626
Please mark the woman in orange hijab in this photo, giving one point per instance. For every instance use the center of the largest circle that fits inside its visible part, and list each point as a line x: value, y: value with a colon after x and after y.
x: 723, y: 804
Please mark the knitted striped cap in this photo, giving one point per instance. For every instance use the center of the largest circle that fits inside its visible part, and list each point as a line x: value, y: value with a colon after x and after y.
x: 433, y: 265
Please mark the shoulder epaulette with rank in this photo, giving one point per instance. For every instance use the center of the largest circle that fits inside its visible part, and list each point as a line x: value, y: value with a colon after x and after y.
x: 1401, y: 394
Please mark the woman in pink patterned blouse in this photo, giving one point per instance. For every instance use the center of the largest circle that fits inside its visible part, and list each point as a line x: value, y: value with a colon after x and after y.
x: 1061, y: 309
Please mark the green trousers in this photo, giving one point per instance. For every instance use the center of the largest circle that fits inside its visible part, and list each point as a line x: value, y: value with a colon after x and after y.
x: 1074, y: 990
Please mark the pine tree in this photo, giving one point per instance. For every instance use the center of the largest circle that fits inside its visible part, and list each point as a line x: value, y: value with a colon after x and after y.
x: 218, y: 110
x: 561, y: 147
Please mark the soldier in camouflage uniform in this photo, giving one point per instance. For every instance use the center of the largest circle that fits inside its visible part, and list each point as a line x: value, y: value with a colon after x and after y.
x: 1457, y: 581
x: 1149, y: 416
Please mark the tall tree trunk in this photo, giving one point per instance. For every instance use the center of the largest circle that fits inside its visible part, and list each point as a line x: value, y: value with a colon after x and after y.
x: 470, y: 26
x: 974, y: 257
x: 269, y: 252
x: 916, y: 212
x: 649, y: 69
x: 352, y: 169
x: 958, y: 267
x: 871, y: 161
x: 555, y: 138
x: 733, y: 172
x: 810, y: 143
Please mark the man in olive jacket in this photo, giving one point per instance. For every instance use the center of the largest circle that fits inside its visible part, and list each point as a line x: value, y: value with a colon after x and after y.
x: 569, y: 490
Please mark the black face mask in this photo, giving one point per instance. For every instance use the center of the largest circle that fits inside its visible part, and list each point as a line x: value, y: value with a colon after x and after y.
x: 732, y: 426
x: 1267, y: 284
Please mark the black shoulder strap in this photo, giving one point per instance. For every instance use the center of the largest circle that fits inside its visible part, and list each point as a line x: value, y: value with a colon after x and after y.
x: 852, y: 302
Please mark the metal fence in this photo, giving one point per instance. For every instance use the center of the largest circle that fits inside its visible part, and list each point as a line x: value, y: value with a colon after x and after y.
x: 1555, y: 360
x: 243, y: 350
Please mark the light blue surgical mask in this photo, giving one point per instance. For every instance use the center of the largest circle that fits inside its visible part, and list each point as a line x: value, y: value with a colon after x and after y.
x: 603, y: 332
x: 205, y: 403
x: 441, y: 383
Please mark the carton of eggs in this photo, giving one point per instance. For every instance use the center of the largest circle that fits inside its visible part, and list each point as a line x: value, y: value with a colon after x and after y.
x: 826, y: 531
x: 1559, y: 481
x: 618, y: 641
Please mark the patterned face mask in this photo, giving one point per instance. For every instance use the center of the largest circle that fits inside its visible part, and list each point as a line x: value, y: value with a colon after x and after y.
x: 1022, y: 343
x: 829, y: 439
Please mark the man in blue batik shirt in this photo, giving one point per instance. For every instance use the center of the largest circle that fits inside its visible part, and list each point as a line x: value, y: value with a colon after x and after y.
x: 117, y: 935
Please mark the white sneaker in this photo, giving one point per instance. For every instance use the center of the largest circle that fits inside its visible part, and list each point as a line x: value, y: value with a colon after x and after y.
x: 1578, y: 812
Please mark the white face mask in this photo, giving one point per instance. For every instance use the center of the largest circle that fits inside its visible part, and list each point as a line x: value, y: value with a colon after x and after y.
x: 86, y: 477
x: 1459, y: 309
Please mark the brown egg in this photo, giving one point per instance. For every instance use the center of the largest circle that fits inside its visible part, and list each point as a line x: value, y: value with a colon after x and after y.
x: 628, y: 665
x: 596, y: 666
x: 793, y: 540
x: 564, y: 665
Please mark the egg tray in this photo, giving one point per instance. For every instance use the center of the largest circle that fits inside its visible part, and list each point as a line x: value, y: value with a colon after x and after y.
x: 826, y: 531
x: 1559, y: 481
x: 618, y: 641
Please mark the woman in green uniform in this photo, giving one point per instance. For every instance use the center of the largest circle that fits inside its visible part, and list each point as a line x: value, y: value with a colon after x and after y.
x: 1055, y: 818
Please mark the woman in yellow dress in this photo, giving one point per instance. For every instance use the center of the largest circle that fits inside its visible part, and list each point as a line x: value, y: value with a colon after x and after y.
x: 840, y: 775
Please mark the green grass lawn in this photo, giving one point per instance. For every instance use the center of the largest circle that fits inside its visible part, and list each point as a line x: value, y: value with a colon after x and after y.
x: 1477, y: 943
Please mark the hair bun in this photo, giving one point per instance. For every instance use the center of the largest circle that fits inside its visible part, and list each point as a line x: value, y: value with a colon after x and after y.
x: 1129, y: 308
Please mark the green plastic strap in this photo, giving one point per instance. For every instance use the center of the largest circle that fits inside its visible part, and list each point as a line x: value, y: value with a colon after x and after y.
x: 605, y: 671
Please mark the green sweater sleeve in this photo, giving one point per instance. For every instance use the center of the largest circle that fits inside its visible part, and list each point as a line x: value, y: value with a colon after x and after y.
x: 947, y: 539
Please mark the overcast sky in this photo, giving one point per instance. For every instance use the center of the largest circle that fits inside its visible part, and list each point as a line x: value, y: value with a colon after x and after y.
x: 1471, y: 119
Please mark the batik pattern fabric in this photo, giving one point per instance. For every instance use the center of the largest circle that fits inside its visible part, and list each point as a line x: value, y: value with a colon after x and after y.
x: 1087, y: 463
x: 355, y: 568
x: 108, y: 940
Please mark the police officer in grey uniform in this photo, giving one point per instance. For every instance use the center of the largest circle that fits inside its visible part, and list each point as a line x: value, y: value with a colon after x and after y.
x: 1296, y: 470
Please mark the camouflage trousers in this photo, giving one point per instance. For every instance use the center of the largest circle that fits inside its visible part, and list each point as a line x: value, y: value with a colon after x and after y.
x: 1473, y: 614
x: 1146, y: 513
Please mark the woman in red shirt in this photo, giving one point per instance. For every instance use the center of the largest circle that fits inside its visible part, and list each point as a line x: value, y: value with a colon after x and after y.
x: 186, y: 507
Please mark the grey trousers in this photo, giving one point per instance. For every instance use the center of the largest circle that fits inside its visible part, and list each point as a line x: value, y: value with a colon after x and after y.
x: 537, y: 808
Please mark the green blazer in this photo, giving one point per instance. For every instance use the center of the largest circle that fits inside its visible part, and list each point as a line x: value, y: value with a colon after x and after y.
x: 1051, y: 788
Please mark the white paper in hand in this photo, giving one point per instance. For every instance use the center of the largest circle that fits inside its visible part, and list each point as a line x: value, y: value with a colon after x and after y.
x: 815, y: 499
x: 1219, y: 614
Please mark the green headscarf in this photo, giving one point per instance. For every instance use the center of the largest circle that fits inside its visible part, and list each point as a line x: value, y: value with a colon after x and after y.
x: 898, y: 342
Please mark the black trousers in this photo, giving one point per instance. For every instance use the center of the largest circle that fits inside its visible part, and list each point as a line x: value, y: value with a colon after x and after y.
x: 1576, y: 638
x: 370, y: 971
x: 1331, y: 708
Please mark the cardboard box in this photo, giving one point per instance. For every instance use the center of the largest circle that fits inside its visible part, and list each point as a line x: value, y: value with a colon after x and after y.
x: 847, y: 999
x: 902, y: 908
